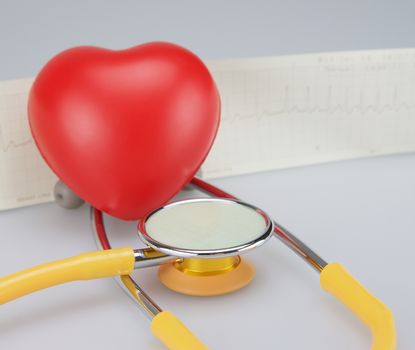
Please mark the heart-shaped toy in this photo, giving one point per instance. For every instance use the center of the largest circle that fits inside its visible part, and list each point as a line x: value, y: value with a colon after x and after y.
x: 125, y: 130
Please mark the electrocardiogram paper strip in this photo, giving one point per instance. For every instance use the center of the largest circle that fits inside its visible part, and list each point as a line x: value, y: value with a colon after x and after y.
x: 289, y: 111
x: 24, y: 177
x: 276, y: 112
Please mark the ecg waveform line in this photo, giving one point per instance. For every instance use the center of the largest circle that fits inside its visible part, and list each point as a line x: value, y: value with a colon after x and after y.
x: 6, y: 146
x: 24, y: 177
x: 345, y: 108
x: 283, y: 112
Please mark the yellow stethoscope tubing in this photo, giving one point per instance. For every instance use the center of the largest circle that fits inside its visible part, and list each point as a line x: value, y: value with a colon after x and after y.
x: 336, y: 280
x: 120, y: 262
x: 86, y: 266
x: 94, y: 265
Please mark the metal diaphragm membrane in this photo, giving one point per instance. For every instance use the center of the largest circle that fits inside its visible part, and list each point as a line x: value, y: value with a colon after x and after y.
x: 205, y: 228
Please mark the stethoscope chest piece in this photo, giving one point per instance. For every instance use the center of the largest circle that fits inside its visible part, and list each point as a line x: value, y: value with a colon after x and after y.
x: 198, y: 243
x: 207, y: 236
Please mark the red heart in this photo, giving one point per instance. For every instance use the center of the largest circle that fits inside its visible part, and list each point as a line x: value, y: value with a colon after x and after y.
x: 125, y: 130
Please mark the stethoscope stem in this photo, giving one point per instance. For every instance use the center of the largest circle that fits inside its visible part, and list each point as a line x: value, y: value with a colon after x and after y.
x: 147, y: 305
x: 149, y: 257
x: 131, y: 288
x: 300, y: 248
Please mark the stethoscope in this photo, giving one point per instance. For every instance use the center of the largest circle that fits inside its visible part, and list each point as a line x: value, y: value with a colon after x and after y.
x: 198, y: 245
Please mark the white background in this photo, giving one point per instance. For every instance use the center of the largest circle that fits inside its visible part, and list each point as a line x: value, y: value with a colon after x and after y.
x: 360, y: 213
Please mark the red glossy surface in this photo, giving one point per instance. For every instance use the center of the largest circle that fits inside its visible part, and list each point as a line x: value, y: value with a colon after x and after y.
x: 125, y: 130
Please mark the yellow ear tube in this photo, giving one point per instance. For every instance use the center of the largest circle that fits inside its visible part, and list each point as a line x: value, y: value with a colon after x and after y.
x: 87, y: 266
x: 337, y: 281
x: 174, y: 334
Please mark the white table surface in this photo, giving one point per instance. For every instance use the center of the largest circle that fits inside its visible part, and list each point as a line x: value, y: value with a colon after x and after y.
x: 360, y: 213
